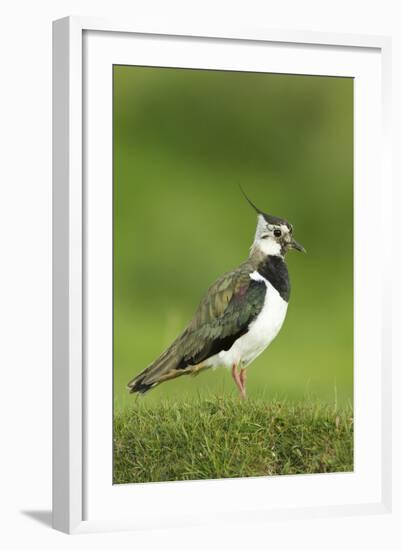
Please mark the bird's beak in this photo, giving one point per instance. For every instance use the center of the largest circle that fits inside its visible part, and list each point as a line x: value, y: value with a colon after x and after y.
x: 296, y: 246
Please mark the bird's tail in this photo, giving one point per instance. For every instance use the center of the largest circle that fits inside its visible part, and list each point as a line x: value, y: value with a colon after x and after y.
x: 169, y: 365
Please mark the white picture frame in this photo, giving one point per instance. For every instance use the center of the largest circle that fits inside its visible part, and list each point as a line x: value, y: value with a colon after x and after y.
x: 80, y: 45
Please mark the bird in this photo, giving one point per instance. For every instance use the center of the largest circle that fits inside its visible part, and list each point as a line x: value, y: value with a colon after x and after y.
x: 238, y: 317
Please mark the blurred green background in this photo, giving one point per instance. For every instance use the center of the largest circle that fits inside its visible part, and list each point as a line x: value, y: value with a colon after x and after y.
x: 183, y: 141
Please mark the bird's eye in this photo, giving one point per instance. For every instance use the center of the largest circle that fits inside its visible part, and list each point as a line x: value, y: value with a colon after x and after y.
x: 277, y: 232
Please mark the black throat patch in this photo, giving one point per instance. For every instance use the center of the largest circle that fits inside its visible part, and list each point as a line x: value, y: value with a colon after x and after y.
x: 274, y: 269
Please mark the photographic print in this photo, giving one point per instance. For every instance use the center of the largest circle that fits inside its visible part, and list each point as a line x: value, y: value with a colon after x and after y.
x: 232, y: 274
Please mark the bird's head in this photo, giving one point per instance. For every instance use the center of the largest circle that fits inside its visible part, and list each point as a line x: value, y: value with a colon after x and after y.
x: 274, y: 236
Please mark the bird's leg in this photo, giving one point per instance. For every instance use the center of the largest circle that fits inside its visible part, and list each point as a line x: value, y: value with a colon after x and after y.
x: 242, y: 379
x: 237, y: 380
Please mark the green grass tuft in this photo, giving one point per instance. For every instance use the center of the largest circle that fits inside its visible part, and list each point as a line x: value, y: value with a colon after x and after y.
x: 226, y: 438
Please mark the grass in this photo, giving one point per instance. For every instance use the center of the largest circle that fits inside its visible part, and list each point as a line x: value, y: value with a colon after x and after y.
x: 226, y: 438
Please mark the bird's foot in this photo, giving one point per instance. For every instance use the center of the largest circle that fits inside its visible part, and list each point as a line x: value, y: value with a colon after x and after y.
x: 239, y: 379
x: 242, y: 378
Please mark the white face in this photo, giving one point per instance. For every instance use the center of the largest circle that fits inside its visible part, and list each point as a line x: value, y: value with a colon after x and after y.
x: 269, y: 239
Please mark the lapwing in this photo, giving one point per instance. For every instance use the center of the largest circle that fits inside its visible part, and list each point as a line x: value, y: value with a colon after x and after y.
x: 238, y: 317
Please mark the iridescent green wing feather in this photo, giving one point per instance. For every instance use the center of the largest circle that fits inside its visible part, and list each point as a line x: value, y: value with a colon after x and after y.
x: 224, y: 315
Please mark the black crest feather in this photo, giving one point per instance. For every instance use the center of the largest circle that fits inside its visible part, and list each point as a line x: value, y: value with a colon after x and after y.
x: 274, y: 220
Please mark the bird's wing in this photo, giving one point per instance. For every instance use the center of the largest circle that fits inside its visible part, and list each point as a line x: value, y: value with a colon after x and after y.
x: 224, y: 314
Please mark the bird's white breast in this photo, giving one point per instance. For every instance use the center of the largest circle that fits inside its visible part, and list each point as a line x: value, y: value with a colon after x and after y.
x: 261, y: 332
